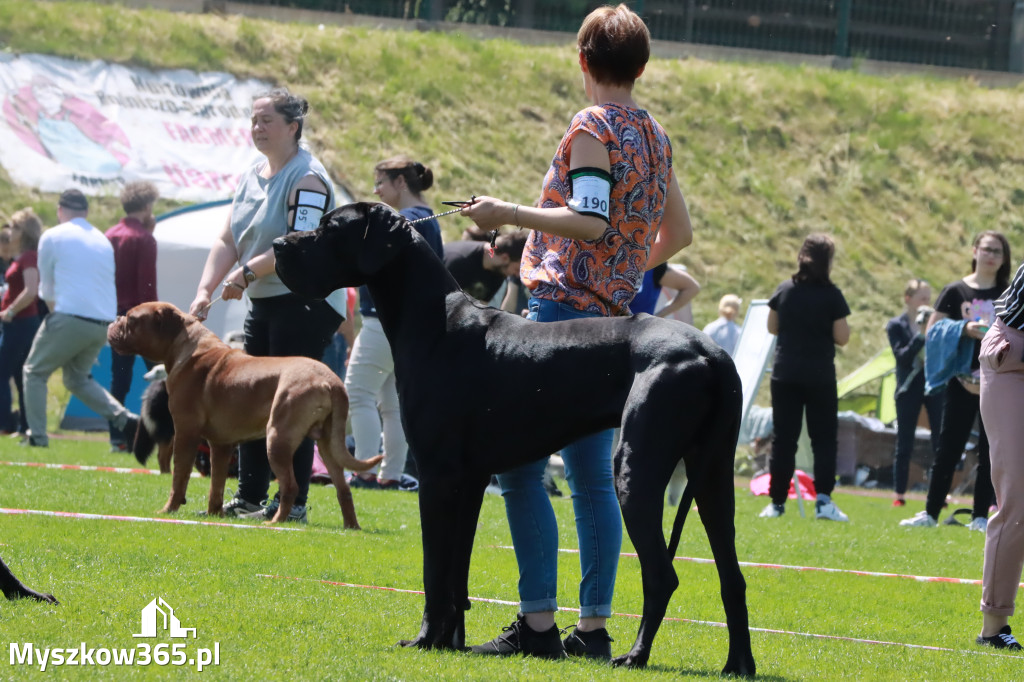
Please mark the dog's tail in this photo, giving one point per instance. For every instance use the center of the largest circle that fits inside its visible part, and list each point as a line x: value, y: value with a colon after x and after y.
x: 353, y: 464
x: 719, y: 445
x: 155, y: 424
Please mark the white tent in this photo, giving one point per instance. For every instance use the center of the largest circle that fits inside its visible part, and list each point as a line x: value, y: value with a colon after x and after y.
x: 183, y: 239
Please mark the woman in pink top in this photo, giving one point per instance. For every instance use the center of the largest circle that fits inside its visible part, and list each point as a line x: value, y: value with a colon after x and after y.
x: 19, y: 315
x: 610, y: 209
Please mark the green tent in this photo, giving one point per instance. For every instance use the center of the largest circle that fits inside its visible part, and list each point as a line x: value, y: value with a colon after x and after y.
x: 871, y: 388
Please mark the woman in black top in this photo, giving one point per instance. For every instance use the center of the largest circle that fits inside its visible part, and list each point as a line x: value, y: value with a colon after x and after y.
x: 808, y: 314
x: 971, y: 299
x: 906, y: 337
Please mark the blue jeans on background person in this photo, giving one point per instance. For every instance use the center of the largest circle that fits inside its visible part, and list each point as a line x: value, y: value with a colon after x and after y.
x: 15, y: 343
x: 122, y: 370
x: 334, y: 355
x: 531, y: 518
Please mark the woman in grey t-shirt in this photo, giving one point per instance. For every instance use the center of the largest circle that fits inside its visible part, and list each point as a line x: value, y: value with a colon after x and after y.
x: 287, y: 190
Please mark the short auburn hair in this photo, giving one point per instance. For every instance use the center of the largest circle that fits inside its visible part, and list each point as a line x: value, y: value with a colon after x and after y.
x: 616, y: 44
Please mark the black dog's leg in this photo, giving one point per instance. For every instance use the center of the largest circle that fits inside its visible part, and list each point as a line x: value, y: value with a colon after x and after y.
x: 471, y: 496
x: 15, y: 589
x: 716, y: 505
x: 641, y: 492
x: 443, y: 619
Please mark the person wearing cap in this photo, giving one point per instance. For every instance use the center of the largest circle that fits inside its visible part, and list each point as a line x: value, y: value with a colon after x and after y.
x: 724, y: 331
x: 76, y: 279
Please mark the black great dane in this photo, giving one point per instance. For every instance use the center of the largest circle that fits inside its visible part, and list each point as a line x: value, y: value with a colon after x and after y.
x: 675, y: 394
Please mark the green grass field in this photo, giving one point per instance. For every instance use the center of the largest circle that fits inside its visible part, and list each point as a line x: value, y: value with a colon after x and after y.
x: 104, y: 572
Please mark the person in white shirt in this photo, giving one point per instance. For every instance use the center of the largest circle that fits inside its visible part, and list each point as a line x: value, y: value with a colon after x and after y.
x: 724, y: 331
x: 76, y: 279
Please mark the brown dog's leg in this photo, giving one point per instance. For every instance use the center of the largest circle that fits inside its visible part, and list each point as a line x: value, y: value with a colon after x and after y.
x: 185, y: 447
x: 220, y: 459
x: 280, y: 452
x: 337, y: 472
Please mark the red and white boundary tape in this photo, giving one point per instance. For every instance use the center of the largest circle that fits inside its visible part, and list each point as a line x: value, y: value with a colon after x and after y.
x: 83, y: 467
x: 147, y: 519
x: 818, y: 569
x: 773, y: 631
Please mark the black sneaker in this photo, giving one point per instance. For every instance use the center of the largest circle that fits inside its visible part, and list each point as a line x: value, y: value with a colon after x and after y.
x: 592, y: 644
x: 239, y: 507
x: 520, y: 638
x: 1001, y: 640
x: 267, y: 512
x: 131, y: 425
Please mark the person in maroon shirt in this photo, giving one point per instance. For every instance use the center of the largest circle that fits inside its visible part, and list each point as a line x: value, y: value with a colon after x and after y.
x: 19, y: 315
x: 135, y: 277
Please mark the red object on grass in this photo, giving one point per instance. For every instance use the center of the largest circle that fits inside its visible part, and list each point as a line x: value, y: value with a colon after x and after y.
x: 759, y: 485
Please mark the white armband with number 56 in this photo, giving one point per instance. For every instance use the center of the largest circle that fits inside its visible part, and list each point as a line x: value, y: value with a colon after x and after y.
x: 591, y: 190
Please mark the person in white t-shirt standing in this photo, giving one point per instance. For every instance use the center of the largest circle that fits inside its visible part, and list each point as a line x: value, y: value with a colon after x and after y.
x: 76, y: 279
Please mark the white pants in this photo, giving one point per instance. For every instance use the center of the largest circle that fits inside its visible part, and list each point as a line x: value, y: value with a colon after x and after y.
x: 371, y: 387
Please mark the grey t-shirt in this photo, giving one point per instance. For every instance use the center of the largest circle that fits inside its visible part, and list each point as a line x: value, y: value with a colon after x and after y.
x: 259, y: 215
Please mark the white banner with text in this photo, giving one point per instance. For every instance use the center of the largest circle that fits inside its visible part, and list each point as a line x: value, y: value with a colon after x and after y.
x: 94, y: 126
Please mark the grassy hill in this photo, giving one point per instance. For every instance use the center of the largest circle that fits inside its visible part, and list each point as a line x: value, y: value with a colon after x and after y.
x: 903, y: 171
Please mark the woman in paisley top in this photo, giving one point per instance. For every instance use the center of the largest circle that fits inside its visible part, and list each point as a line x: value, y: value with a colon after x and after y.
x: 610, y: 209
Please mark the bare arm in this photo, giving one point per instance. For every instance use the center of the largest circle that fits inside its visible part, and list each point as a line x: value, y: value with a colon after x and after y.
x: 675, y: 232
x: 686, y: 288
x: 841, y: 332
x: 223, y: 255
x: 773, y: 322
x: 490, y: 213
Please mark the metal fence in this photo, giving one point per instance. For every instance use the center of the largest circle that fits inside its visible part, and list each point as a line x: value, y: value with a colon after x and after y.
x: 975, y: 34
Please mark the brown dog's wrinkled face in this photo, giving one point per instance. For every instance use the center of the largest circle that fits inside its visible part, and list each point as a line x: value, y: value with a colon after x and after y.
x: 147, y: 330
x: 351, y: 244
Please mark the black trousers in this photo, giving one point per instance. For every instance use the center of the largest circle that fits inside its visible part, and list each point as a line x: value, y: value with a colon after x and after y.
x: 280, y: 326
x: 908, y: 407
x: 957, y: 420
x: 790, y: 401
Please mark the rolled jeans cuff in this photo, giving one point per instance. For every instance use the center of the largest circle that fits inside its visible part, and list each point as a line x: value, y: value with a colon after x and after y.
x: 538, y: 605
x: 598, y: 611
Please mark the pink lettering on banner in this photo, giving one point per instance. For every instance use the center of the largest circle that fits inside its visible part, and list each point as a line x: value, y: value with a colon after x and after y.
x: 193, y: 177
x: 218, y: 137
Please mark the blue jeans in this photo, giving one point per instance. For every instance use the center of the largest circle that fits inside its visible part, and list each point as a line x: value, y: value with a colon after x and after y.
x: 335, y: 353
x: 531, y: 518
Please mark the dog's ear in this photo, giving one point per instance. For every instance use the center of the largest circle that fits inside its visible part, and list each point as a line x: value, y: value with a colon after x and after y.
x: 170, y: 321
x: 385, y: 233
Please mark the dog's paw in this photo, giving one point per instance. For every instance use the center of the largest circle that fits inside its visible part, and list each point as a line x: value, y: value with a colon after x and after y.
x: 630, y: 660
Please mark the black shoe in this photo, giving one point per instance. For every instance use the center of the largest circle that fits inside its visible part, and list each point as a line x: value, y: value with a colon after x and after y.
x: 520, y: 638
x: 33, y: 442
x: 592, y: 644
x: 1001, y: 640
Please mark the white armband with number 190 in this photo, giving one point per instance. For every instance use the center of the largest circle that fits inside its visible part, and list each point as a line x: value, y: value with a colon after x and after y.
x: 591, y: 190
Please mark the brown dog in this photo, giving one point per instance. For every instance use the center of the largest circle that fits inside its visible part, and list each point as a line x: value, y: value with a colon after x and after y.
x: 227, y: 397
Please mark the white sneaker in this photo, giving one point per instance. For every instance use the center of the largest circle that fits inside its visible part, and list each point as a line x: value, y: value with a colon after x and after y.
x: 920, y: 519
x: 772, y: 511
x: 979, y: 523
x: 829, y: 511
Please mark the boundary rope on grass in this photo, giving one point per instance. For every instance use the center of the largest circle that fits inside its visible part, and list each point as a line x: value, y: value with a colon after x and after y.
x: 85, y: 467
x: 818, y: 569
x: 772, y: 631
x: 148, y: 519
